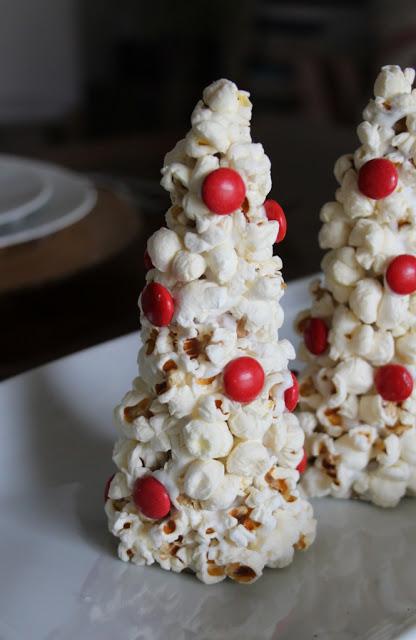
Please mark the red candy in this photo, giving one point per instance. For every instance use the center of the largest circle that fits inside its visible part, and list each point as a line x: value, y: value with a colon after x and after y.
x: 393, y: 382
x: 275, y: 212
x: 107, y: 487
x: 292, y: 394
x: 223, y: 191
x: 243, y: 379
x: 401, y: 274
x: 377, y: 178
x: 148, y: 264
x: 151, y: 497
x: 316, y: 336
x: 303, y: 463
x: 157, y: 304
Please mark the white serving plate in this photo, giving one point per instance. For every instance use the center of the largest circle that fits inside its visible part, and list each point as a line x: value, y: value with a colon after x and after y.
x: 22, y: 189
x: 61, y: 579
x: 70, y: 198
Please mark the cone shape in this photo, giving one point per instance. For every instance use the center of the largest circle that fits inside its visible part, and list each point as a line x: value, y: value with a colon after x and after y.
x: 357, y: 410
x: 207, y: 416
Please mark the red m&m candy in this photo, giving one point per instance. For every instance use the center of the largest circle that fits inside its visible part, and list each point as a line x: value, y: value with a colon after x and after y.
x: 275, y: 212
x: 292, y: 394
x: 303, y: 463
x: 316, y: 336
x: 157, y: 304
x: 401, y: 274
x: 243, y: 379
x: 393, y: 382
x: 223, y: 191
x: 148, y: 264
x: 377, y: 178
x: 151, y: 498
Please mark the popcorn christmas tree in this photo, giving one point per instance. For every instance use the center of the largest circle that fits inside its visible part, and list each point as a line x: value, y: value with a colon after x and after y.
x: 208, y: 451
x: 357, y: 398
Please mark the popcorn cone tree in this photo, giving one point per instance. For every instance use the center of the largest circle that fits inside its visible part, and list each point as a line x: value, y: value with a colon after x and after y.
x: 357, y: 398
x: 208, y: 451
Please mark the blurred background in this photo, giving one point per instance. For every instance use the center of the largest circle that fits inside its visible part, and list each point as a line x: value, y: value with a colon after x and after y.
x: 106, y: 89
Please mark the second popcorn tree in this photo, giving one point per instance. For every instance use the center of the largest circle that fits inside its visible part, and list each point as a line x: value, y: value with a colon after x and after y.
x: 210, y: 453
x: 357, y: 397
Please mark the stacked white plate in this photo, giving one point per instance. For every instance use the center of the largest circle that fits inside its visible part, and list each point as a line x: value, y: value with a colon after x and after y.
x: 37, y: 199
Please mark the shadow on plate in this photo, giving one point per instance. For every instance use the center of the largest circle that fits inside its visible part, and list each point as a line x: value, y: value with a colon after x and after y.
x: 68, y: 450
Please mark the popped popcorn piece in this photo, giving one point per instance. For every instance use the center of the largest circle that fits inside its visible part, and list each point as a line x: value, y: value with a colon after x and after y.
x: 365, y: 299
x: 208, y: 439
x: 202, y: 478
x: 223, y: 262
x: 188, y: 266
x: 225, y: 493
x: 249, y: 458
x: 406, y: 348
x: 392, y: 80
x: 162, y: 247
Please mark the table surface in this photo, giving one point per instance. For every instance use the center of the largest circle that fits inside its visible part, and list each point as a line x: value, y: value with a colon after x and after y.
x: 106, y: 231
x: 356, y: 581
x: 43, y: 322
